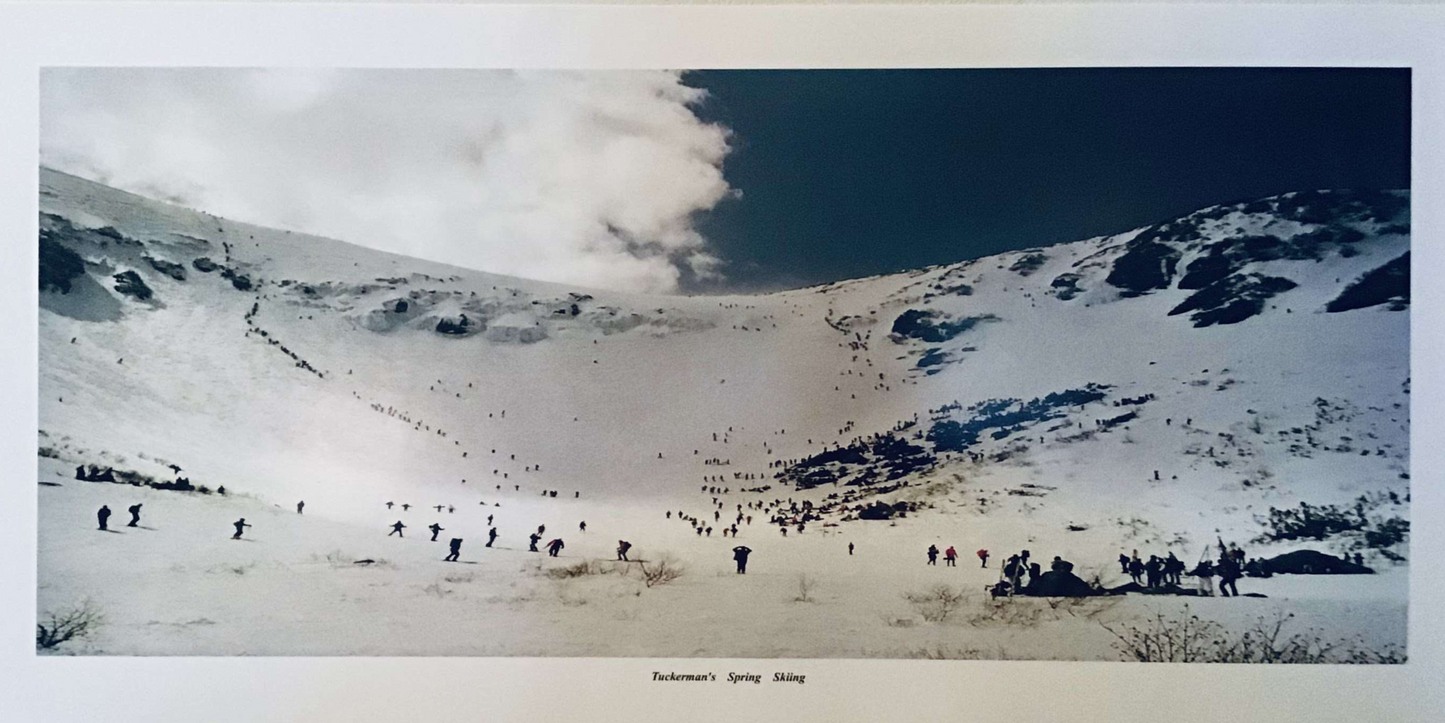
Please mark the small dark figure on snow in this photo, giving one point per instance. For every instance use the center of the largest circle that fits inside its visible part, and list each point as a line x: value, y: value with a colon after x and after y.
x: 850, y: 548
x: 103, y: 514
x: 740, y: 554
x: 491, y: 536
x: 396, y: 529
x: 456, y: 545
x: 933, y: 554
x: 240, y: 527
x: 300, y: 506
x: 1228, y: 573
x: 134, y: 511
x: 435, y: 529
x: 982, y: 558
x: 582, y: 526
x: 622, y: 547
x: 389, y: 505
x: 950, y: 556
x: 405, y: 507
x: 555, y: 547
x: 534, y: 538
x: 1123, y: 563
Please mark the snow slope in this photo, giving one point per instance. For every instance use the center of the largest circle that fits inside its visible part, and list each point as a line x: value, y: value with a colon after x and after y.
x: 345, y: 377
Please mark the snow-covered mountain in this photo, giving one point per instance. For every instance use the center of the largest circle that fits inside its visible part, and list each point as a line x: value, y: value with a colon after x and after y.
x: 1156, y: 388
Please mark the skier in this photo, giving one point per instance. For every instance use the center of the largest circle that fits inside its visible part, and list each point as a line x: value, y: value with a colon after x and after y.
x: 435, y: 528
x: 622, y: 547
x: 491, y: 536
x: 396, y: 529
x: 740, y: 554
x: 983, y: 557
x: 950, y: 556
x: 240, y: 526
x: 103, y: 514
x: 300, y: 506
x: 1228, y: 573
x: 134, y: 511
x: 456, y: 545
x: 535, y: 538
x: 932, y: 555
x: 850, y: 549
x: 1205, y: 573
x: 555, y: 547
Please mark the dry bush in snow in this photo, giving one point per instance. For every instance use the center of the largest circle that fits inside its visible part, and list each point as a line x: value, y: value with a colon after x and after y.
x: 935, y: 604
x: 78, y: 621
x: 661, y: 571
x: 1186, y: 638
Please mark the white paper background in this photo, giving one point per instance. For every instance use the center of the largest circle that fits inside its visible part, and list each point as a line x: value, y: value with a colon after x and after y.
x: 543, y: 690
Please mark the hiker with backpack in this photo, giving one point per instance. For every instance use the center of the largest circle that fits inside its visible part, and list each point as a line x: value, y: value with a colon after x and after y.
x: 555, y: 547
x: 950, y: 557
x: 622, y: 547
x: 740, y: 555
x: 982, y: 558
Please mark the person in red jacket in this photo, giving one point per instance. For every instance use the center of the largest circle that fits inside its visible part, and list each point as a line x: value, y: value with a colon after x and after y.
x: 983, y: 557
x: 950, y: 556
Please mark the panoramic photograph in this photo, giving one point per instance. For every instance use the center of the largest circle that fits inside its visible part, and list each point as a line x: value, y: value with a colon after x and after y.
x: 1094, y: 364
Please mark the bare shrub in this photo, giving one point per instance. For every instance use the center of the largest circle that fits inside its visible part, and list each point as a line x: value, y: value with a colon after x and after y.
x: 1185, y: 638
x: 935, y: 604
x: 898, y: 621
x: 806, y: 583
x: 661, y: 571
x: 78, y: 621
x: 941, y: 653
x: 1007, y: 612
x: 436, y: 590
x: 579, y: 569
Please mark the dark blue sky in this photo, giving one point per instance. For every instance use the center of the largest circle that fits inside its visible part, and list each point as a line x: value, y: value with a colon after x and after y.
x: 853, y: 173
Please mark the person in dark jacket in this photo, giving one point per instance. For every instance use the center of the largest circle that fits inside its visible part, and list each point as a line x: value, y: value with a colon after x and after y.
x: 435, y: 529
x: 1228, y: 573
x: 456, y: 545
x: 396, y: 529
x: 622, y: 547
x: 103, y: 515
x: 134, y: 511
x: 491, y: 536
x: 1123, y: 563
x: 933, y: 554
x: 1136, y: 570
x: 555, y: 547
x: 240, y: 527
x: 740, y: 554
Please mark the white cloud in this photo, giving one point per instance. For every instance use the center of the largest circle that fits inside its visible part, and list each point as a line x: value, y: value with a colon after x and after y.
x: 579, y: 177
